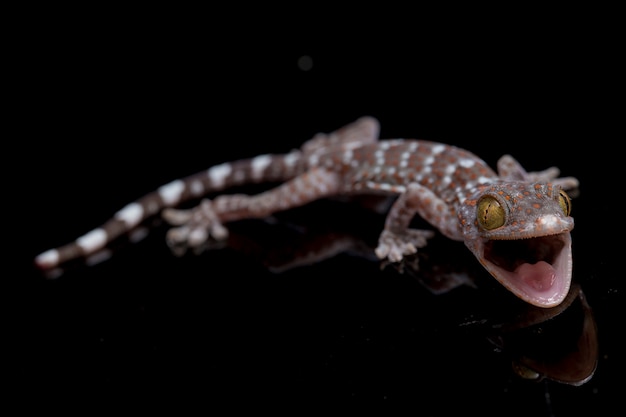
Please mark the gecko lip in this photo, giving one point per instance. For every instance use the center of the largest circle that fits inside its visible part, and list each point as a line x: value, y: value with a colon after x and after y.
x: 536, y: 269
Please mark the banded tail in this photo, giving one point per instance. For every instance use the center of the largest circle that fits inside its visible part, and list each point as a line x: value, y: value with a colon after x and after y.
x: 254, y: 170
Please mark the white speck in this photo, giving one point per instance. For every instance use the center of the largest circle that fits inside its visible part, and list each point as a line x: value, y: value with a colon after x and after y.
x: 291, y: 158
x: 259, y: 164
x: 305, y: 63
x: 48, y: 258
x: 314, y: 159
x: 429, y: 160
x: 413, y: 147
x: 92, y: 241
x: 171, y: 193
x: 549, y: 220
x: 483, y: 180
x: 466, y: 162
x: 438, y: 149
x: 347, y: 156
x: 380, y: 157
x: 404, y: 159
x: 218, y: 174
x: 131, y: 214
x: 450, y: 169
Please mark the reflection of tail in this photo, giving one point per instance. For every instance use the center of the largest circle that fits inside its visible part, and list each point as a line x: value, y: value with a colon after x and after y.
x: 259, y: 169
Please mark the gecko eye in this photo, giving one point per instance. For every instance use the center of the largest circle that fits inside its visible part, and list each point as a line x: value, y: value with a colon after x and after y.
x: 490, y: 214
x: 565, y: 202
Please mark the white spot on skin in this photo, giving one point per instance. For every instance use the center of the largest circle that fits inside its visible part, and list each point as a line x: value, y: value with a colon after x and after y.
x: 218, y: 174
x: 291, y: 159
x: 549, y: 220
x: 259, y: 164
x: 466, y: 162
x: 347, y: 156
x: 386, y: 187
x: 429, y: 160
x: 131, y: 215
x: 438, y: 149
x: 92, y: 241
x: 404, y: 159
x: 171, y: 193
x: 48, y: 259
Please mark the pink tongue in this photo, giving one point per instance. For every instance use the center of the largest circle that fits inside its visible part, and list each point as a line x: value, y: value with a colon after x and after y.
x: 540, y: 276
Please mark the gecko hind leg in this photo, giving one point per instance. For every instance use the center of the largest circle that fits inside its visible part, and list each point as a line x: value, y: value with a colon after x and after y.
x: 510, y: 169
x: 358, y: 133
x: 197, y: 225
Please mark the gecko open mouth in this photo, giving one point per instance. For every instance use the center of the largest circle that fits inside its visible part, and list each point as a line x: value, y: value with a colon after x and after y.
x: 536, y: 268
x: 511, y: 254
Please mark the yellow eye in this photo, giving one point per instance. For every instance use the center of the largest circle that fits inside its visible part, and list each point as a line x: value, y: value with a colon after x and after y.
x: 565, y: 202
x: 491, y: 214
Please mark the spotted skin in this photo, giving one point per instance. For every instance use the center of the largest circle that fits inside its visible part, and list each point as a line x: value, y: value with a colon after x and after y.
x: 528, y: 250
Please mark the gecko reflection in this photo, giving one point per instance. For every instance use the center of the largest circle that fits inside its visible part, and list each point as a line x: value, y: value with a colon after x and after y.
x: 558, y: 344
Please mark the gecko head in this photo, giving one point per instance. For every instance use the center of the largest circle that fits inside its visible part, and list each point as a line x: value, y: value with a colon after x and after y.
x: 520, y: 233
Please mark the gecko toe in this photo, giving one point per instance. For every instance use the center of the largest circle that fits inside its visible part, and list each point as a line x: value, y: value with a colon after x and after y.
x: 394, y: 246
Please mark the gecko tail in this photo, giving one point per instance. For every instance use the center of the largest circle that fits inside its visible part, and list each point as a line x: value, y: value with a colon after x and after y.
x: 263, y: 168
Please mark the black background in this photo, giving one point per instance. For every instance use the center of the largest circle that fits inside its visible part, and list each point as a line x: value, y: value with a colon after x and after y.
x: 111, y: 104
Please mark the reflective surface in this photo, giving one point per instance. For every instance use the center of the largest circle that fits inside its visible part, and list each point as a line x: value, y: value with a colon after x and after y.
x: 263, y: 320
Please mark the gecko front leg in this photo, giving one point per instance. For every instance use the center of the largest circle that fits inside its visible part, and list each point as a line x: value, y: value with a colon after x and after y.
x: 397, y: 239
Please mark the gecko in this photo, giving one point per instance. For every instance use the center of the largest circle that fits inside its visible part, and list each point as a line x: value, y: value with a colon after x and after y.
x: 516, y: 223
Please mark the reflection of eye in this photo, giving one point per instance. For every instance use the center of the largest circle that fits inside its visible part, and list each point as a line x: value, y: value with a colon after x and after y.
x: 565, y: 202
x: 490, y: 214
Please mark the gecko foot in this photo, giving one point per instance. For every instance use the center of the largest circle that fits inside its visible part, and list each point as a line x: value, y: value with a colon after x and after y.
x: 394, y: 246
x: 552, y: 175
x: 195, y: 226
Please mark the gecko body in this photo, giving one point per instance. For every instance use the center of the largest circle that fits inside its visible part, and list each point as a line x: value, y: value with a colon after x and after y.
x: 516, y: 223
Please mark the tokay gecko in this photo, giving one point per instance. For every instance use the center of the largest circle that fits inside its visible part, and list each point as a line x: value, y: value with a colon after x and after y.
x: 516, y: 223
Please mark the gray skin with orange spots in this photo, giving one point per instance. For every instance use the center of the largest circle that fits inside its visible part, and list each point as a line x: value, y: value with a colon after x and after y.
x: 529, y: 252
